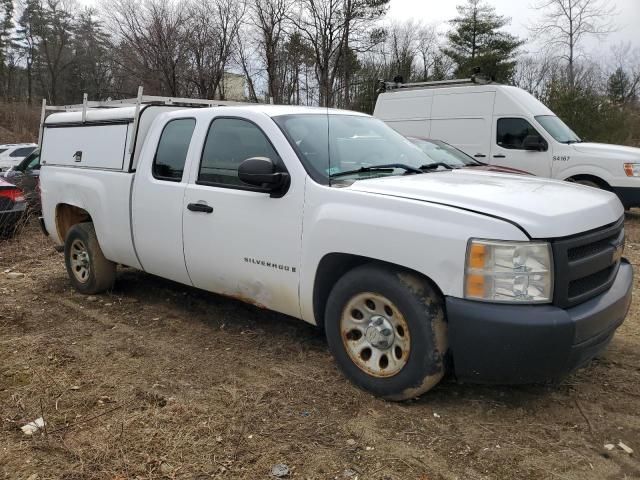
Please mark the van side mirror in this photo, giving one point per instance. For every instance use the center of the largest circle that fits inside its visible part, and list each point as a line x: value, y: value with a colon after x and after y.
x: 261, y: 172
x: 535, y: 143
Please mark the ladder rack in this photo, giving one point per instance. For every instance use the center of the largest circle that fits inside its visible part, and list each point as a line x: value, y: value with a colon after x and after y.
x: 473, y: 80
x: 136, y: 102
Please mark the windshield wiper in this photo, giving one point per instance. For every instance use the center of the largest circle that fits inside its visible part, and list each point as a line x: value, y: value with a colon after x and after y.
x: 388, y: 167
x: 429, y: 166
x: 569, y: 142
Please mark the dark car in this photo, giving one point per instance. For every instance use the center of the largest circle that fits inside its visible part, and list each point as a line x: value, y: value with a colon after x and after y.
x: 26, y: 176
x: 444, y: 155
x: 12, y: 207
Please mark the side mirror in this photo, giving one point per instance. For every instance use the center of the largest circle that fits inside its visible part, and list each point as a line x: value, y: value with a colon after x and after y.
x: 535, y: 143
x: 261, y: 172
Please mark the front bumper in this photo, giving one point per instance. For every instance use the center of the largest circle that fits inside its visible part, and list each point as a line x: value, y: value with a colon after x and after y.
x: 629, y: 196
x: 517, y: 344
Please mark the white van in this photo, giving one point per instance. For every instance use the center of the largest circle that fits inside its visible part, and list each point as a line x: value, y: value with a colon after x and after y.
x: 506, y: 126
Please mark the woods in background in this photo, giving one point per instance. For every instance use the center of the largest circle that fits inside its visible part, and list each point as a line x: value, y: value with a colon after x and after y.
x: 312, y: 52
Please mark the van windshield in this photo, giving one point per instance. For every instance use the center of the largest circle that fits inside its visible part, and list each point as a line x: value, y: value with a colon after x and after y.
x: 558, y: 129
x: 349, y: 147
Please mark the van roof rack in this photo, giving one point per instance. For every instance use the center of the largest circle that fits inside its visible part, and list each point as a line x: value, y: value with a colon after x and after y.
x: 398, y: 84
x: 136, y: 102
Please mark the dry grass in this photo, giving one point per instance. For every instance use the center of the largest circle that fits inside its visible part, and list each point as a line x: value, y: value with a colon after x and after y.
x: 19, y: 122
x: 161, y: 381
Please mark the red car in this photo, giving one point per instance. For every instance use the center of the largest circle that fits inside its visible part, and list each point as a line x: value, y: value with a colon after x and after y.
x: 12, y: 207
x: 448, y: 156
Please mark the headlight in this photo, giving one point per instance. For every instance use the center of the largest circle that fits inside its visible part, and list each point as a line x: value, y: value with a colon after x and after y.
x: 518, y: 272
x: 632, y: 169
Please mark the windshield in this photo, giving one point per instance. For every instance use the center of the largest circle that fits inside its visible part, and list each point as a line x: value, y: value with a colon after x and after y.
x: 30, y: 163
x: 441, y: 152
x: 329, y: 145
x: 557, y: 129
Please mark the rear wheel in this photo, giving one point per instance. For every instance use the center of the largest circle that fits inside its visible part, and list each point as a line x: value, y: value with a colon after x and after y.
x: 89, y: 271
x: 386, y: 329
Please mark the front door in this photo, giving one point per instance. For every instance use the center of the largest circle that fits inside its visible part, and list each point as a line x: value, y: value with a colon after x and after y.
x: 507, y: 147
x: 239, y: 241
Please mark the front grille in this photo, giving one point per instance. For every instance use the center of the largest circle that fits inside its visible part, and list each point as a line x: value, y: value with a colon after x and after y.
x: 586, y: 264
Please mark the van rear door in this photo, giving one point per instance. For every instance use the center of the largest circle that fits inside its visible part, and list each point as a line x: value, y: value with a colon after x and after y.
x: 463, y: 120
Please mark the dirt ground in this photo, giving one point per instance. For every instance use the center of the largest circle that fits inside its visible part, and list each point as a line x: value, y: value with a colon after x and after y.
x: 158, y: 380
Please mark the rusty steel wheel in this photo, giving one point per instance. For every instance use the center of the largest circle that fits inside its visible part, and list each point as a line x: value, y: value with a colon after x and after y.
x: 375, y: 334
x: 88, y: 269
x: 387, y: 330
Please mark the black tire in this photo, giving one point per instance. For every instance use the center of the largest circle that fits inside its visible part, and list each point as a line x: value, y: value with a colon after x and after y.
x: 422, y: 310
x: 588, y: 183
x: 100, y: 273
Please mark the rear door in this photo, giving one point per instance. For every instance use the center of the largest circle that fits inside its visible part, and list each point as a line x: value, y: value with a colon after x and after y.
x: 238, y: 241
x: 507, y: 147
x: 158, y: 195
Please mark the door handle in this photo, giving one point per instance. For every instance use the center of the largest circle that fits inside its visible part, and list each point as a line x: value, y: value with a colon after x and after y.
x: 200, y: 207
x: 499, y: 156
x: 480, y: 155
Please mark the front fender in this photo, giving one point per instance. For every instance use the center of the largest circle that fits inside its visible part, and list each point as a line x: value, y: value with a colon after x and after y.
x: 428, y: 238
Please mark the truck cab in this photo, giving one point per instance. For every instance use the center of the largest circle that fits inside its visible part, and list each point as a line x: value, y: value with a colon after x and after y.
x: 506, y: 126
x: 332, y: 217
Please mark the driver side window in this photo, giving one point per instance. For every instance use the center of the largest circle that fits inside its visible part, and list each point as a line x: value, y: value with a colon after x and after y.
x: 231, y: 141
x: 511, y: 133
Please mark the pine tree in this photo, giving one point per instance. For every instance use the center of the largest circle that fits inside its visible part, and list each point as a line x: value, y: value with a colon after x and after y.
x: 619, y: 87
x: 477, y: 42
x: 6, y: 27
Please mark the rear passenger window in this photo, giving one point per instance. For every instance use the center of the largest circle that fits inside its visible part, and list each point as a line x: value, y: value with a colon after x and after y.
x: 513, y: 131
x: 230, y: 141
x: 168, y: 164
x: 22, y: 152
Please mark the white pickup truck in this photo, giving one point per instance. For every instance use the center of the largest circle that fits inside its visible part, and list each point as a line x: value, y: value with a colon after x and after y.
x: 330, y: 216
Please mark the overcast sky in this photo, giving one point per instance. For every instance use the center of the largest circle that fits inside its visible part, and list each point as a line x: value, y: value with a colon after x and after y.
x: 440, y: 11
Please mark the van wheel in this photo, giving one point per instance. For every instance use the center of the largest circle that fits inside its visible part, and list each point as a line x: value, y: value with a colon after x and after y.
x: 587, y: 183
x: 89, y: 271
x: 386, y: 329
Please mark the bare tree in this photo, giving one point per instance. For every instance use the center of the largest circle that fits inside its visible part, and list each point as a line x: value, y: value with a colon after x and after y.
x: 565, y: 24
x: 427, y: 48
x: 402, y: 41
x: 213, y: 27
x: 153, y: 35
x: 244, y: 59
x: 332, y: 28
x: 533, y: 72
x: 269, y: 17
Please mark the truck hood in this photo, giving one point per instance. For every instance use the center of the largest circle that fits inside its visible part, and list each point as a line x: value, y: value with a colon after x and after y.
x: 605, y: 149
x: 543, y: 208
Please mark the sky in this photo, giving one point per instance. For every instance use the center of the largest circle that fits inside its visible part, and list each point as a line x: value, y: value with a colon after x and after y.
x: 522, y: 15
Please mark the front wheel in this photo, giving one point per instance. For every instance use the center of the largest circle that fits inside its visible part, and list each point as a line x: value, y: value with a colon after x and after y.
x: 587, y: 183
x: 88, y: 269
x: 386, y: 329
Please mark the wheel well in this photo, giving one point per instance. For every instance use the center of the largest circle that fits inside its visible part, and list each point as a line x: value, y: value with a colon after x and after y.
x: 335, y: 265
x: 597, y: 180
x: 67, y: 216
